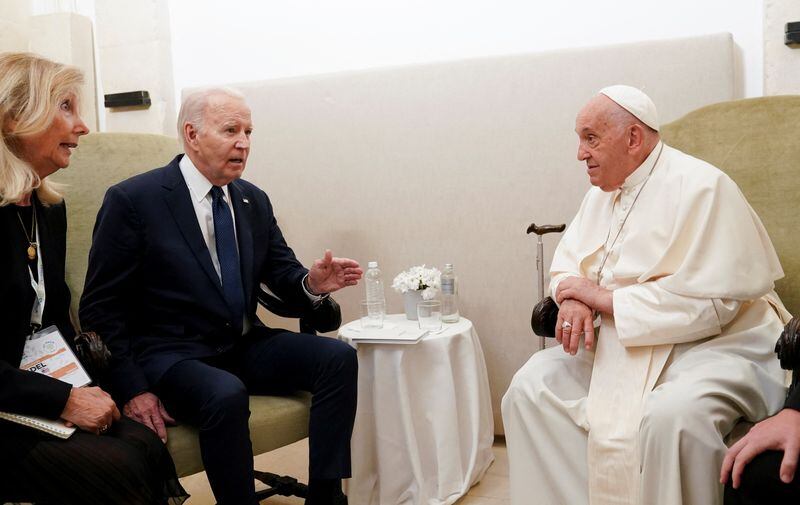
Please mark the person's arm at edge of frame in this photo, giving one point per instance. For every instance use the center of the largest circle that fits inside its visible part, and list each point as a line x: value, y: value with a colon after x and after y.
x: 780, y: 432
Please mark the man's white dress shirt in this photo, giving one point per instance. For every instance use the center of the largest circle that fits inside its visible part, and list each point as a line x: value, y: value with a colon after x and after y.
x: 200, y: 191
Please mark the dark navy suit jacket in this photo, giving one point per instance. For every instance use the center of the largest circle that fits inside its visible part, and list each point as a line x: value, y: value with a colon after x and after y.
x: 152, y: 292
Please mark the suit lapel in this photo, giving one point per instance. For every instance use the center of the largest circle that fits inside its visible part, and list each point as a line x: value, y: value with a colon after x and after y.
x: 179, y: 201
x: 244, y: 234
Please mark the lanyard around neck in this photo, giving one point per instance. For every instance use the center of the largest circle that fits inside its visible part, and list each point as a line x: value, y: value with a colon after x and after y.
x: 38, y: 288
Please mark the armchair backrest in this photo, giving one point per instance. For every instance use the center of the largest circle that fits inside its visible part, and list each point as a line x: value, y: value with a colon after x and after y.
x: 755, y: 142
x: 102, y: 160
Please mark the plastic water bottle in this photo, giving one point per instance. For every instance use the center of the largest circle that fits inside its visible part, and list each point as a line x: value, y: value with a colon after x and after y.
x: 374, y: 283
x: 449, y: 295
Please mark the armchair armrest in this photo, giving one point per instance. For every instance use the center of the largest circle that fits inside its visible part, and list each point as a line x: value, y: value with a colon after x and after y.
x: 93, y: 355
x: 544, y: 317
x: 326, y: 316
x: 788, y: 350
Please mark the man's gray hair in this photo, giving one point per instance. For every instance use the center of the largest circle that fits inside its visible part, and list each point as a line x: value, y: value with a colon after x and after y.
x: 195, y: 103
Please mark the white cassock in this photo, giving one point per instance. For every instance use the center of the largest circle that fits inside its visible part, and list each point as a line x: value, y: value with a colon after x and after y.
x: 688, y: 352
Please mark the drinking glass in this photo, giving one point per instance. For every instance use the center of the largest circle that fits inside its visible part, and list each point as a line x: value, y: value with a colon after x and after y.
x: 372, y: 314
x: 429, y: 313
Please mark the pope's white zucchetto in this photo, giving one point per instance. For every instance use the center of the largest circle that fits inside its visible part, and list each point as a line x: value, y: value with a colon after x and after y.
x: 634, y: 101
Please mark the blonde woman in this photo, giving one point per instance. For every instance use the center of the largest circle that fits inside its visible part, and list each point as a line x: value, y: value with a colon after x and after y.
x: 109, y: 459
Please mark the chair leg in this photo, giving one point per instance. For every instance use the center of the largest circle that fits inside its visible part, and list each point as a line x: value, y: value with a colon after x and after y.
x: 283, y: 485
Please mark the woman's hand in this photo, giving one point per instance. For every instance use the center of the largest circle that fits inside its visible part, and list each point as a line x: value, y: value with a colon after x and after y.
x: 90, y: 409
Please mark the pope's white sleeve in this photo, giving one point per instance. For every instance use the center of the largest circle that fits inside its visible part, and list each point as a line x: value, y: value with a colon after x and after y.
x: 647, y: 314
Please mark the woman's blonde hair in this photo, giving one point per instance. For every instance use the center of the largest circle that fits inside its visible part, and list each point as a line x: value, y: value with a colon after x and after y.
x: 31, y: 89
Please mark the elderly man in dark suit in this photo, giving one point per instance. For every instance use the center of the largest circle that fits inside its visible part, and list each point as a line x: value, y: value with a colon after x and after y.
x: 177, y: 257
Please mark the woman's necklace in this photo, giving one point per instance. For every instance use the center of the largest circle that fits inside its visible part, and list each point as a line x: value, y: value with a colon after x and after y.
x: 31, y: 238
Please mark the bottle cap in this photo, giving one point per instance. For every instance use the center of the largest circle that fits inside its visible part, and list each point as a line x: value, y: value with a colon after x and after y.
x: 372, y: 264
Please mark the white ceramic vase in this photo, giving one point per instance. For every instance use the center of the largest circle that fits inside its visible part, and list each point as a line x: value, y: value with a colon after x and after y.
x: 410, y: 300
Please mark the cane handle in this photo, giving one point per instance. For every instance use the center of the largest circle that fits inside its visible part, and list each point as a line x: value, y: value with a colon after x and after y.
x: 547, y: 228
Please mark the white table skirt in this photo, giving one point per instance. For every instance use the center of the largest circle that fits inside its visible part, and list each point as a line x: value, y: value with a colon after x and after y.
x: 424, y: 430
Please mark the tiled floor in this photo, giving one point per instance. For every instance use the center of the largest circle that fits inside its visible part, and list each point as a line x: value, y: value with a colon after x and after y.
x: 293, y: 460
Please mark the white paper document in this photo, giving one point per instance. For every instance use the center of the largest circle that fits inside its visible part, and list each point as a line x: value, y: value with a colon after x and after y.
x: 386, y: 335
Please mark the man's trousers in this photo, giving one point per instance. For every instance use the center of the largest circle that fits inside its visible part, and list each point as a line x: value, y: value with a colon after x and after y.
x: 213, y: 394
x: 761, y: 483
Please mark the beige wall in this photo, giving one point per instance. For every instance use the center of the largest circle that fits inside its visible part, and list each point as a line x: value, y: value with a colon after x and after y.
x: 134, y: 46
x: 63, y: 37
x: 133, y: 53
x: 451, y: 162
x: 68, y: 38
x: 781, y: 63
x: 14, y: 30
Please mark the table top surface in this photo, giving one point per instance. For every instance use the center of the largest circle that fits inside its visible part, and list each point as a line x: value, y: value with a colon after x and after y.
x: 353, y: 328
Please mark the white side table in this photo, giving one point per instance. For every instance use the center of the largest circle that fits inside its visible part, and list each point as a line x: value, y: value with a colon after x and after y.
x: 424, y: 430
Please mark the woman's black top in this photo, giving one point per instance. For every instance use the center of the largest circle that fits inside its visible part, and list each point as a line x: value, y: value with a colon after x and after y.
x: 21, y: 391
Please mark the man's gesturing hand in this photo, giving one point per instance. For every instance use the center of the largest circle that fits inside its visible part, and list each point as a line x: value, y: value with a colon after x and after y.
x: 575, y: 319
x: 148, y: 410
x: 780, y: 432
x: 329, y: 274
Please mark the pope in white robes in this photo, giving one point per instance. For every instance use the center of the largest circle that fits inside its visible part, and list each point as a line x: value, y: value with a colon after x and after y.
x: 679, y: 271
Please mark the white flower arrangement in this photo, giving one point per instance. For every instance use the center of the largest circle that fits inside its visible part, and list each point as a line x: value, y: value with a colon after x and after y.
x: 418, y: 278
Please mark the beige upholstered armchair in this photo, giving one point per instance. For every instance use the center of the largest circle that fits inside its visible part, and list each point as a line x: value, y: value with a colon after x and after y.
x: 104, y: 159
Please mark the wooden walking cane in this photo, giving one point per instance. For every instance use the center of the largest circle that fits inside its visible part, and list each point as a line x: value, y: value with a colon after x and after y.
x: 544, y: 311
